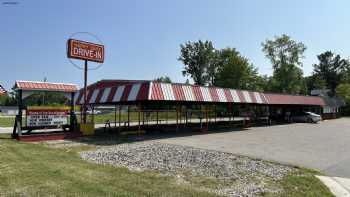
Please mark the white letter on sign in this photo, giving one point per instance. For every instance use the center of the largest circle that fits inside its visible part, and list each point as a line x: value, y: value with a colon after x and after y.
x: 75, y: 50
x: 98, y: 54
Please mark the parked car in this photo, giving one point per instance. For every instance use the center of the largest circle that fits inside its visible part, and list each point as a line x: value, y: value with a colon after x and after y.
x: 309, y: 117
x: 95, y: 112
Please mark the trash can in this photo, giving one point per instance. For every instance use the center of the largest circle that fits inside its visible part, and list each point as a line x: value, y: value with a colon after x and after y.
x: 87, y: 128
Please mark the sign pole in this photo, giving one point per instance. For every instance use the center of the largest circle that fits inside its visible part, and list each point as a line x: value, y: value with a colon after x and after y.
x: 85, y: 91
x: 20, y: 111
x: 86, y: 51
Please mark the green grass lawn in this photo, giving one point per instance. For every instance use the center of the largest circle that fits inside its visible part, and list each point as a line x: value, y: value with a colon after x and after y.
x: 7, y: 121
x: 102, y: 118
x: 301, y: 184
x: 36, y: 170
x: 134, y: 116
x: 28, y: 169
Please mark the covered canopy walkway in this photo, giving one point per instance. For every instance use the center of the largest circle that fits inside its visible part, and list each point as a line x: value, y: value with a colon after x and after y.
x: 145, y: 103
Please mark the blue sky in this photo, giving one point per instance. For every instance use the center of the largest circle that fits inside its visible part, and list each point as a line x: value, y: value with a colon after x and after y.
x: 142, y: 37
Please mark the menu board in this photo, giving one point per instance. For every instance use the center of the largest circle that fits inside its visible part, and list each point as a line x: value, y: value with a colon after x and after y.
x: 46, y: 117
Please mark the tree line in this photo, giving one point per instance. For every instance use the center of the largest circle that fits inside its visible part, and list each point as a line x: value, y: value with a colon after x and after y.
x: 228, y: 68
x: 36, y: 99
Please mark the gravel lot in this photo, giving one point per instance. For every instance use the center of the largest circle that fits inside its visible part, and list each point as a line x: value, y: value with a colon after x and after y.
x: 246, y: 177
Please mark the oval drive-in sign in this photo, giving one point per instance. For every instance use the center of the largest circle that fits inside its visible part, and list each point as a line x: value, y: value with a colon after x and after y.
x: 78, y: 49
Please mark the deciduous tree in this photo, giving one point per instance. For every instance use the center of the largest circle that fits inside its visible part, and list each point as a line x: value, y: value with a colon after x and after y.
x: 234, y: 70
x: 343, y: 90
x: 314, y: 82
x: 198, y: 58
x: 285, y: 55
x: 164, y: 79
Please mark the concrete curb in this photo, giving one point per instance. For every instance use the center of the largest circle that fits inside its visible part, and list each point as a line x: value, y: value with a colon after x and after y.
x: 338, y: 186
x: 5, y: 130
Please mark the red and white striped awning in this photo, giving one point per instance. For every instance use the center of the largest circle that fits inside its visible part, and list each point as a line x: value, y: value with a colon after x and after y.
x: 183, y: 92
x: 156, y: 91
x: 121, y: 91
x: 114, y: 94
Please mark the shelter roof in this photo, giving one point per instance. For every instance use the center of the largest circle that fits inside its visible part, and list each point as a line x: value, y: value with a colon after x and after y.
x: 118, y: 91
x: 45, y: 86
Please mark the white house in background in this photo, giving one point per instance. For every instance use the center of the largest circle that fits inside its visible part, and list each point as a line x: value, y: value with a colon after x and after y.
x: 333, y: 103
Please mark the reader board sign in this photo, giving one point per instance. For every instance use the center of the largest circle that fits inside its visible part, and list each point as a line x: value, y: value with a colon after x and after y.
x: 78, y: 49
x: 46, y: 117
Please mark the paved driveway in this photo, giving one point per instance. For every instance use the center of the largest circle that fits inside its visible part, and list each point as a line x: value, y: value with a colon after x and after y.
x: 324, y: 146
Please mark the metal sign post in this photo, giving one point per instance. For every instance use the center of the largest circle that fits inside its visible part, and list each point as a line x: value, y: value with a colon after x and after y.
x: 85, y: 92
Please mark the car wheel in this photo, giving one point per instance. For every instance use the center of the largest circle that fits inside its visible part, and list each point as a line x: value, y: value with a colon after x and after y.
x: 309, y: 120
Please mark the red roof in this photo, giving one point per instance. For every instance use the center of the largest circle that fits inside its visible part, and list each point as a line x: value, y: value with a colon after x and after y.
x: 46, y: 86
x: 115, y: 91
x: 287, y: 99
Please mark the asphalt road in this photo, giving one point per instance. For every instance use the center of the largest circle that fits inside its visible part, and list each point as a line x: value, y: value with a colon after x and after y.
x: 324, y: 146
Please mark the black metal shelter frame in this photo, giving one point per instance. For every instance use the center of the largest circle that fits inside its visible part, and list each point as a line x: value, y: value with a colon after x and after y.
x: 208, y: 113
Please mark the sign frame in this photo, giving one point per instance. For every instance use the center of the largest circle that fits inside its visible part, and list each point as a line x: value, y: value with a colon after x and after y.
x: 89, y: 45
